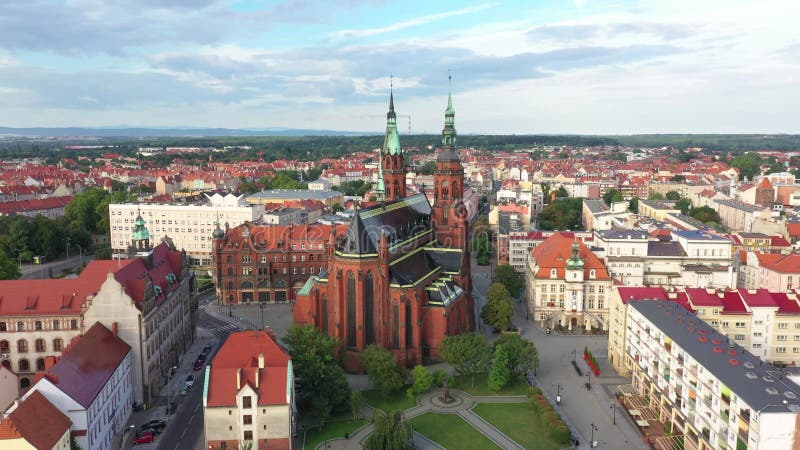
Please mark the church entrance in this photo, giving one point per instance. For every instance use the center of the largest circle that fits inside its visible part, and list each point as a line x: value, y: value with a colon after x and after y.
x: 574, y: 322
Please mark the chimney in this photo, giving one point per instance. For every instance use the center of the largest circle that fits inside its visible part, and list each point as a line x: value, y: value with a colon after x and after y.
x: 114, y: 329
x: 257, y: 371
x: 238, y: 379
x: 260, y: 360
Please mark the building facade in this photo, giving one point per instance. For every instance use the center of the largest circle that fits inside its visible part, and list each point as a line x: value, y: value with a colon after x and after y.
x: 152, y: 302
x: 35, y: 424
x: 713, y: 393
x: 266, y: 264
x: 250, y: 394
x: 189, y: 226
x: 567, y: 285
x: 399, y: 276
x: 92, y: 384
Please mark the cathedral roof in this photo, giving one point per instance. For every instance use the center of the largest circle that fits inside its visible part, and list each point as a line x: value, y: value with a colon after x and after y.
x: 399, y: 218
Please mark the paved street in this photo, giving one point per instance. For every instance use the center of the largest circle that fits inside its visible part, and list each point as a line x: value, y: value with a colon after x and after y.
x: 47, y: 270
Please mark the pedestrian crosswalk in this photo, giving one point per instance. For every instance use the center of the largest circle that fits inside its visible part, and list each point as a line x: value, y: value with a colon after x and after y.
x: 221, y: 328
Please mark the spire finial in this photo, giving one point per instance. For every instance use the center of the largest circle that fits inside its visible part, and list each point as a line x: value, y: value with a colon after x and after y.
x: 391, y: 93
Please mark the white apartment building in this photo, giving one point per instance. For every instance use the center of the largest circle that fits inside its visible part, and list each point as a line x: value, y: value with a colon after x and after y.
x: 189, y: 226
x: 92, y: 384
x: 710, y: 392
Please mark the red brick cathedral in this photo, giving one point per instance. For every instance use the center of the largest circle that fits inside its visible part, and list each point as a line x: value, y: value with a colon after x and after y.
x: 400, y: 276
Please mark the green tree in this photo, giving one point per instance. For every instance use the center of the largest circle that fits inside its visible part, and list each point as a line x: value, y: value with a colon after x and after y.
x: 678, y: 178
x: 498, y: 309
x: 336, y: 207
x: 248, y: 187
x: 321, y: 382
x: 508, y: 277
x: 673, y: 195
x: 561, y: 192
x: 382, y: 369
x: 423, y: 380
x: 467, y: 353
x: 522, y: 354
x: 391, y: 432
x: 499, y: 375
x: 562, y: 214
x: 439, y: 377
x: 9, y: 269
x: 633, y: 205
x: 704, y: 214
x: 749, y: 165
x: 356, y: 404
x: 656, y: 196
x: 428, y: 168
x: 684, y: 205
x: 612, y: 195
x: 545, y: 192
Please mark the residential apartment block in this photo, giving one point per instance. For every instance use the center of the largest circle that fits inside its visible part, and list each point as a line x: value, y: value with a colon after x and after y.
x: 249, y: 394
x: 189, y: 226
x: 707, y: 391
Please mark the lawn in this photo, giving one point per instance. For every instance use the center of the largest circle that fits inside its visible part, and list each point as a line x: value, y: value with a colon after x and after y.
x: 397, y: 400
x: 519, y: 422
x: 331, y: 430
x: 451, y: 431
x: 463, y: 383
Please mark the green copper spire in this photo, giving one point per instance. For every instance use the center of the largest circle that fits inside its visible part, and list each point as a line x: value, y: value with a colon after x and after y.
x: 139, y: 230
x: 381, y: 187
x: 449, y: 131
x: 391, y: 144
x: 575, y: 262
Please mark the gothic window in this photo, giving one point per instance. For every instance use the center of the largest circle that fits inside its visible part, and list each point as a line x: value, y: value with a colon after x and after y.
x: 351, y: 310
x: 230, y: 285
x: 230, y: 271
x: 409, y: 326
x: 324, y: 315
x: 395, y: 326
x: 445, y: 189
x: 369, y: 326
x: 444, y: 213
x: 247, y: 285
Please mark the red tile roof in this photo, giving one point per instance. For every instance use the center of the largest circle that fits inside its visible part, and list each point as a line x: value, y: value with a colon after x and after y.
x: 780, y: 263
x: 87, y: 365
x: 787, y: 303
x: 793, y: 229
x: 240, y: 352
x: 779, y: 241
x: 37, y: 421
x: 33, y: 205
x: 554, y: 252
x: 162, y: 262
x: 759, y: 298
x: 702, y: 297
x: 55, y: 296
x: 765, y: 184
x: 641, y: 293
x: 732, y: 303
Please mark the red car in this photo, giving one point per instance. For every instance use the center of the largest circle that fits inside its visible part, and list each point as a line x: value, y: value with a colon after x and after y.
x: 144, y: 438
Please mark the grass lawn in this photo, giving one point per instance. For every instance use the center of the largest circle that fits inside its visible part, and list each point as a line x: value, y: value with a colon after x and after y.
x: 451, y: 431
x: 463, y: 383
x: 331, y: 430
x: 395, y: 400
x: 519, y: 422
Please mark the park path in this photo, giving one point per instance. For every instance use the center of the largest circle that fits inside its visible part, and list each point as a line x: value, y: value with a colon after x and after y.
x: 427, y: 403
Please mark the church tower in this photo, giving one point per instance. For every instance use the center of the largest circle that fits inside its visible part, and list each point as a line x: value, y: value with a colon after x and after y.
x: 392, y: 171
x: 449, y: 213
x: 140, y: 238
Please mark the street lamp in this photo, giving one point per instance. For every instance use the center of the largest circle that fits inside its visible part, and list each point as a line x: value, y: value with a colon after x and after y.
x: 592, y: 442
x: 614, y: 413
x: 558, y: 395
x: 262, y: 314
x: 588, y: 380
x: 574, y: 355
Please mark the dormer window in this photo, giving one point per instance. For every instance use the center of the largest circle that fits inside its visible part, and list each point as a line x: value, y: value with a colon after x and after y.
x: 592, y: 273
x: 553, y: 273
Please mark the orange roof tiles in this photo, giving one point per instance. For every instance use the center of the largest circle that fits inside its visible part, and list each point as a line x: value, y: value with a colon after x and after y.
x: 780, y: 263
x: 37, y: 421
x: 240, y: 355
x: 554, y: 252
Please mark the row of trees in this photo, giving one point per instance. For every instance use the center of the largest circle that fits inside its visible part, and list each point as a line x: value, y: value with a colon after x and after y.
x: 510, y: 358
x: 562, y: 214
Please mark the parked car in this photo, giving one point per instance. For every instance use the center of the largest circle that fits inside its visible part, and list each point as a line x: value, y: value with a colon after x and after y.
x: 206, y: 350
x: 144, y: 438
x: 198, y: 365
x: 156, y: 425
x: 183, y: 391
x: 189, y: 381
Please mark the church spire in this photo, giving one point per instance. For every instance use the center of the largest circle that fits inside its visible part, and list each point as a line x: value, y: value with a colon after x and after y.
x: 449, y: 131
x: 391, y: 144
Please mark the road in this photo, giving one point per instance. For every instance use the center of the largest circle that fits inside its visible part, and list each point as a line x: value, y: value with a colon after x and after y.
x: 47, y: 270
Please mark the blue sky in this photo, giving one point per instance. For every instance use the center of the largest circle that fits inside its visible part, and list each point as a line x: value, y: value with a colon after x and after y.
x: 545, y: 66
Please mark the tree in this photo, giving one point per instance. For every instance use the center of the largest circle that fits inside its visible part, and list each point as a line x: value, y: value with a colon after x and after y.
x: 633, y: 204
x: 428, y: 168
x: 684, y: 205
x: 321, y: 382
x: 499, y: 375
x: 391, y: 432
x: 656, y: 196
x: 677, y: 178
x: 423, y: 380
x: 611, y: 196
x: 498, y: 309
x: 336, y: 207
x: 248, y: 187
x: 508, y: 277
x: 673, y: 195
x: 9, y: 269
x: 468, y: 353
x: 382, y: 369
x: 439, y: 377
x: 562, y: 214
x: 356, y: 404
x: 522, y: 354
x: 545, y: 192
x: 704, y: 214
x: 749, y: 165
x: 561, y: 192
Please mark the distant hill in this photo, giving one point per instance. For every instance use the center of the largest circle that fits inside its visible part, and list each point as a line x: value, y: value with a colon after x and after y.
x: 167, y: 132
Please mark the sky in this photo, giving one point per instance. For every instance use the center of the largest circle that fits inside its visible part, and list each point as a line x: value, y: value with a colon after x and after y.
x: 523, y: 67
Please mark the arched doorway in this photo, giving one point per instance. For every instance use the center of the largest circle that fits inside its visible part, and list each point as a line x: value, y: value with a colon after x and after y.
x: 573, y: 322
